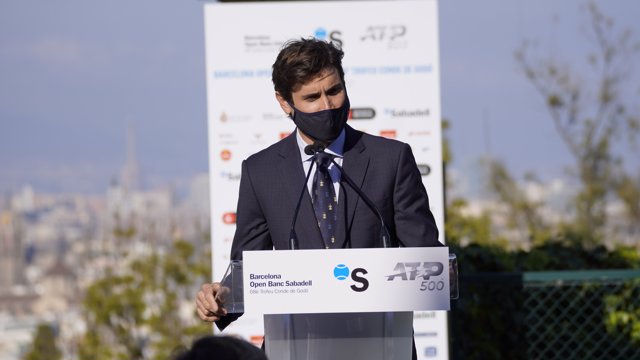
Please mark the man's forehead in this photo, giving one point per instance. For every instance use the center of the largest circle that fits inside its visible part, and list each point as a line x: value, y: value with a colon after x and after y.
x: 322, y: 75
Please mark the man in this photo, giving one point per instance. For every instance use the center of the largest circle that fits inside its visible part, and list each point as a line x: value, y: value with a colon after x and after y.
x: 309, y: 86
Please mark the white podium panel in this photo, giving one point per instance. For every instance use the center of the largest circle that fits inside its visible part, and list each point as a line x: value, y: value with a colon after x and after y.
x: 343, y: 336
x: 346, y: 280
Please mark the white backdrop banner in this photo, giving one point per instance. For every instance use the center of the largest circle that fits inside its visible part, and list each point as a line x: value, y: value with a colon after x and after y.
x: 391, y: 68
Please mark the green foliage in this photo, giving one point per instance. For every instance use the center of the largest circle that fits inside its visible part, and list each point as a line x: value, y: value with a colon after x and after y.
x: 548, y: 256
x: 495, y: 314
x: 522, y: 213
x: 44, y: 345
x: 135, y: 314
x: 622, y: 312
x: 460, y: 227
x: 589, y: 116
x: 463, y: 229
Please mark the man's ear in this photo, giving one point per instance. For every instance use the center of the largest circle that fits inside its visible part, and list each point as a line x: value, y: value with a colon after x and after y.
x: 284, y: 105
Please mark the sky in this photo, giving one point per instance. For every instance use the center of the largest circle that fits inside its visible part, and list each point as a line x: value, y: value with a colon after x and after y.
x: 75, y: 74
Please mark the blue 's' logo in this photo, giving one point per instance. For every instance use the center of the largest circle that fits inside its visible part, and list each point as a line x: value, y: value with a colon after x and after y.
x: 341, y: 272
x: 320, y: 34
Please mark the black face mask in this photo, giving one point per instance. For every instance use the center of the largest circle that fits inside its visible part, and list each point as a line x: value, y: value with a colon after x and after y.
x: 324, y: 125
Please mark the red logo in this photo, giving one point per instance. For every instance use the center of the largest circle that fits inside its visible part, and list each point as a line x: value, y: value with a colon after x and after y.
x: 391, y: 134
x: 229, y: 218
x: 284, y: 135
x: 225, y: 155
x: 257, y: 340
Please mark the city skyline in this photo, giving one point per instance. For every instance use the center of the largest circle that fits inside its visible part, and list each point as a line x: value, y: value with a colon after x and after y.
x: 74, y: 82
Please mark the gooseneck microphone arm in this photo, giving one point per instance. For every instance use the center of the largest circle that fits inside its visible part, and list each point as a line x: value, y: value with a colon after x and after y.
x: 385, y: 238
x: 293, y: 238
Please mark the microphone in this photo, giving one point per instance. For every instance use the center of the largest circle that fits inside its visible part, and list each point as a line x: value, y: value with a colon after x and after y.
x: 385, y: 238
x: 314, y: 148
x: 293, y: 237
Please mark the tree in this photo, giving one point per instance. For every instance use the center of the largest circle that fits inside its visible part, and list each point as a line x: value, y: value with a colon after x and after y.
x: 521, y: 212
x: 135, y: 314
x: 462, y: 228
x: 590, y: 115
x: 44, y: 345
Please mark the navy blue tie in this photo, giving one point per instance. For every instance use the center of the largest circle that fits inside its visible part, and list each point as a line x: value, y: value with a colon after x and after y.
x: 325, y: 202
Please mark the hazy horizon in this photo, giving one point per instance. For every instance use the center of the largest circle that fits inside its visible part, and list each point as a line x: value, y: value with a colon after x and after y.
x: 77, y: 74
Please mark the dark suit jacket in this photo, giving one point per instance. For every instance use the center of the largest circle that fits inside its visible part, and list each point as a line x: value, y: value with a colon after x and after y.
x: 386, y: 171
x: 272, y: 180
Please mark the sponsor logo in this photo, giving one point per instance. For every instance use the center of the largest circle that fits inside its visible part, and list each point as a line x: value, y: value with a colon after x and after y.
x: 258, y: 138
x: 410, y: 271
x: 262, y: 43
x: 425, y: 334
x: 366, y: 113
x: 225, y: 117
x: 404, y: 113
x: 256, y: 340
x: 229, y: 218
x: 231, y: 176
x: 341, y: 272
x: 430, y: 351
x: 424, y: 315
x: 227, y: 139
x: 391, y: 35
x: 334, y: 36
x: 225, y: 155
x: 390, y: 134
x: 414, y: 270
x: 420, y: 133
x: 274, y: 116
x: 424, y: 169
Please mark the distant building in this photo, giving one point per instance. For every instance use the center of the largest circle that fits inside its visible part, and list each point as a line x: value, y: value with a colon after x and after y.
x: 12, y: 251
x: 130, y: 175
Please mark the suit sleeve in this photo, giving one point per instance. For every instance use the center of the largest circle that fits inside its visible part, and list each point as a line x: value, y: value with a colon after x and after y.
x: 414, y: 222
x: 252, y: 232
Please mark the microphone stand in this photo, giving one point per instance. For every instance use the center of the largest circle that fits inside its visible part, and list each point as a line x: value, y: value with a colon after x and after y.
x: 385, y: 238
x: 293, y: 237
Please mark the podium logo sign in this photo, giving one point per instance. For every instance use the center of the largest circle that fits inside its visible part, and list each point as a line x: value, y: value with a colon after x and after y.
x: 411, y: 271
x: 357, y: 280
x: 341, y: 272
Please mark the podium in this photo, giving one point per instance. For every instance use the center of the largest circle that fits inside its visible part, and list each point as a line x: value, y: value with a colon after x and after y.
x: 340, y: 304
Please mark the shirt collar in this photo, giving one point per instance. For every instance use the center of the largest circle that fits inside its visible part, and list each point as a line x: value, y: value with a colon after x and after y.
x: 335, y: 148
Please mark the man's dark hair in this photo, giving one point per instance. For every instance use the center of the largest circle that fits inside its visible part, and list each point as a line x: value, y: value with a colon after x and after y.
x: 222, y: 348
x: 300, y: 61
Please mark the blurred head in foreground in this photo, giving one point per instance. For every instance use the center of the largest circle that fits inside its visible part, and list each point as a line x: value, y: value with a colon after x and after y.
x: 222, y: 348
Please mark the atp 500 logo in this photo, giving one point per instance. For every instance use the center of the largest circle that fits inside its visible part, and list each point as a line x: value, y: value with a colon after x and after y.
x: 410, y: 271
x: 341, y: 272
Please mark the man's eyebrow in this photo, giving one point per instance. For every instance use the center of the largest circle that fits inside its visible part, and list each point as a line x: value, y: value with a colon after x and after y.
x: 311, y: 95
x: 316, y: 94
x: 337, y: 86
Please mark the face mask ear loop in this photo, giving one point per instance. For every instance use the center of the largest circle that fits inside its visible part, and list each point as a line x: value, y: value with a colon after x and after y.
x: 293, y: 110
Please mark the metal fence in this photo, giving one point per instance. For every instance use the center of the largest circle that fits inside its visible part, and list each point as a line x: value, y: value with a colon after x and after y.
x: 547, y: 315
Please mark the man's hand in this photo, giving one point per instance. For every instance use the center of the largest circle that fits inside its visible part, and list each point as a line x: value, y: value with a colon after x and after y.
x: 209, y: 302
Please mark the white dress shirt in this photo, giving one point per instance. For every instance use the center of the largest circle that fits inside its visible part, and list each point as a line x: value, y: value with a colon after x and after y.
x: 336, y: 149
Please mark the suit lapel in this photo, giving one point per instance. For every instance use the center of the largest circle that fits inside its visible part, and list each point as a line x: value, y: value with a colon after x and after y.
x: 355, y: 163
x: 293, y: 176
